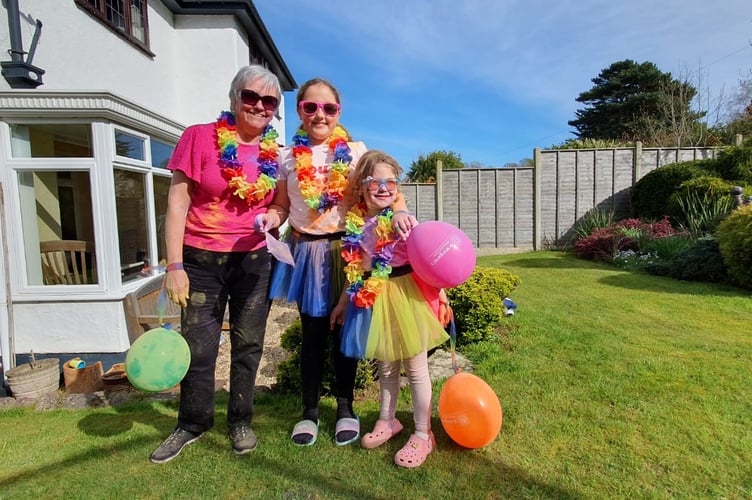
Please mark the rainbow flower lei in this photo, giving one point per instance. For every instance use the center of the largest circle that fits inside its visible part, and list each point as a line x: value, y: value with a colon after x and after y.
x: 232, y: 168
x: 322, y: 194
x: 363, y: 292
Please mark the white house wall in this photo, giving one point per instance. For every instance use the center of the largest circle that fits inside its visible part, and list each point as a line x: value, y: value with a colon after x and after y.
x: 187, y: 80
x: 99, y: 327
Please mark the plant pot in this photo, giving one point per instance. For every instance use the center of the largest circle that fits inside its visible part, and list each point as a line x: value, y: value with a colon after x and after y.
x: 84, y: 380
x: 34, y: 380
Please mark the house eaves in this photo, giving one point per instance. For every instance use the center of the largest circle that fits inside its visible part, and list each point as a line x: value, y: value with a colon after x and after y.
x: 249, y: 19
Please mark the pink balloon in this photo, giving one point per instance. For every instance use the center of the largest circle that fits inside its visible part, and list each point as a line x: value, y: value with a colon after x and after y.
x: 440, y: 254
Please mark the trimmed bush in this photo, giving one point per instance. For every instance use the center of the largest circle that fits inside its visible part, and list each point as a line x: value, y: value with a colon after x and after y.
x: 651, y: 194
x: 735, y: 164
x: 735, y: 242
x: 478, y: 304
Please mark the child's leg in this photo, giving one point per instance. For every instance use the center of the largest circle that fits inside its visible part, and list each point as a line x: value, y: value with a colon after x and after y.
x: 389, y: 377
x: 420, y: 388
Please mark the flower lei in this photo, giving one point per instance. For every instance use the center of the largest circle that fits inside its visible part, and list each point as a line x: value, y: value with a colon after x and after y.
x: 232, y: 168
x: 317, y: 194
x: 363, y: 292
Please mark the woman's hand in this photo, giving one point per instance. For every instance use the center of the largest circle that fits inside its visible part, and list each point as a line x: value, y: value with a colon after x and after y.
x: 177, y: 286
x: 403, y: 223
x: 267, y: 221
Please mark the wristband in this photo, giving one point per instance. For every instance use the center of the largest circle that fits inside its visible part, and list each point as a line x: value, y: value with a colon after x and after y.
x: 175, y: 266
x: 401, y: 212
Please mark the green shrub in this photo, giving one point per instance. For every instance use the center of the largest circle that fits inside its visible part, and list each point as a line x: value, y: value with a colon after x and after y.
x: 288, y: 371
x: 594, y: 219
x: 735, y: 242
x: 700, y: 203
x: 650, y: 196
x: 478, y: 303
x: 735, y: 164
x: 700, y: 261
x: 667, y: 248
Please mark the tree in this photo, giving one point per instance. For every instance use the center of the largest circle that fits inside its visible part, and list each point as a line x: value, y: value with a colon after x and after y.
x: 738, y: 112
x: 424, y: 168
x: 624, y: 95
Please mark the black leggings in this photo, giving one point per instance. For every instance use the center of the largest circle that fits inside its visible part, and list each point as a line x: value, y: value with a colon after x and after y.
x: 313, y: 359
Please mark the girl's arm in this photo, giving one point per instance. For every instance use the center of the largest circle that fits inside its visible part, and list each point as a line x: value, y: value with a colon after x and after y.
x: 402, y: 220
x: 338, y: 313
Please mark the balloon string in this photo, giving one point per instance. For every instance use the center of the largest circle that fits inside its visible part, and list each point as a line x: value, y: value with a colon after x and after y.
x: 162, y: 301
x: 452, y: 343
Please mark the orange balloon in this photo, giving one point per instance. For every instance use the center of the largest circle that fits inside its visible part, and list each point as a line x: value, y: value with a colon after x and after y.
x: 469, y: 410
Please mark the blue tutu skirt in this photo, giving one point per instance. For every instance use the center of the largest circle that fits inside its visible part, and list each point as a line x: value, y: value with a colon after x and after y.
x: 400, y: 324
x: 316, y: 280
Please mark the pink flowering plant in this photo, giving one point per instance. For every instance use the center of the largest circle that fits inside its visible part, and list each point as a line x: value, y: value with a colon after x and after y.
x: 627, y: 237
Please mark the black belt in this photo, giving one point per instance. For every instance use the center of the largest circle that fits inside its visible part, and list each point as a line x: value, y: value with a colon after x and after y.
x: 315, y: 237
x: 396, y: 271
x: 401, y: 270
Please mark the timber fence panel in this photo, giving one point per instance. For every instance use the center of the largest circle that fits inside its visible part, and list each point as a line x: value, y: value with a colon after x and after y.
x: 469, y: 204
x: 497, y: 208
x: 487, y: 212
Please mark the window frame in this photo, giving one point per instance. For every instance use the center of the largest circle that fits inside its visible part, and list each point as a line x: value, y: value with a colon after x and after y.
x: 100, y: 14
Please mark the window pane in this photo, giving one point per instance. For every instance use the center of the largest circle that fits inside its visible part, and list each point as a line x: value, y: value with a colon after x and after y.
x: 130, y: 203
x: 160, y: 153
x: 161, y: 188
x: 129, y: 146
x: 115, y: 13
x: 58, y: 228
x: 51, y: 141
x: 137, y: 20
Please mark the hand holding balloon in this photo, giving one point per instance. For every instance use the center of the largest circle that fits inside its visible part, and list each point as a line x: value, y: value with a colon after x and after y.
x: 403, y: 223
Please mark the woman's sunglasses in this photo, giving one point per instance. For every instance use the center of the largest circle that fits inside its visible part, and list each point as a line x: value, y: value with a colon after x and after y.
x: 250, y: 98
x: 374, y: 184
x: 309, y: 108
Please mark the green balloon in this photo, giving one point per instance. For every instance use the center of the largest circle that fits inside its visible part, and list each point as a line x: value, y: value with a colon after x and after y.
x: 157, y: 360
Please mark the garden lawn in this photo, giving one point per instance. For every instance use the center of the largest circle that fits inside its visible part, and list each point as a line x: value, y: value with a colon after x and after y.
x: 613, y: 385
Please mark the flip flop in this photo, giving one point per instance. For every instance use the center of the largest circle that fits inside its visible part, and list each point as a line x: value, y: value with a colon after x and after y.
x: 304, y: 427
x: 347, y: 424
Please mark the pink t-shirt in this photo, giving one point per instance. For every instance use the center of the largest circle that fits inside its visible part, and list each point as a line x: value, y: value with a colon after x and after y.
x: 217, y: 220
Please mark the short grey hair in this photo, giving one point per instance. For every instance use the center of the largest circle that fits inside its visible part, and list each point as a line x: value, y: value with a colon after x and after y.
x: 253, y: 73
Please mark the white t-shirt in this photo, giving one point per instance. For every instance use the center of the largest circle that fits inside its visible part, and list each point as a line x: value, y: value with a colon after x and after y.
x: 305, y: 219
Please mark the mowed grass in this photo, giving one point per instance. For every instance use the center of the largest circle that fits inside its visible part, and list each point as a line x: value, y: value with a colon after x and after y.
x: 613, y: 385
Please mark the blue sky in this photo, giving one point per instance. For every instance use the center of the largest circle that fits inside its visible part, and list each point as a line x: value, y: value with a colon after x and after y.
x: 491, y: 80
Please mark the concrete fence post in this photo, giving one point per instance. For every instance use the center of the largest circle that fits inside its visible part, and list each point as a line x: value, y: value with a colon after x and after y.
x: 439, y: 190
x: 536, y: 199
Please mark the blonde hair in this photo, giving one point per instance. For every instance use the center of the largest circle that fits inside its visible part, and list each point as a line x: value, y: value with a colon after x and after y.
x: 365, y: 167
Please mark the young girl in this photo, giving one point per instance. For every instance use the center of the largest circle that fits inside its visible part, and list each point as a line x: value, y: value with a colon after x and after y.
x: 314, y: 178
x: 387, y: 312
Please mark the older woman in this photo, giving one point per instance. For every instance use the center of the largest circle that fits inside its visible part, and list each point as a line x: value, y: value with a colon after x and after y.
x: 224, y: 176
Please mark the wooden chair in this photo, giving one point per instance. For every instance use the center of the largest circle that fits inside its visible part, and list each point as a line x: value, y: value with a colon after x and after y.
x: 141, y: 312
x: 64, y: 262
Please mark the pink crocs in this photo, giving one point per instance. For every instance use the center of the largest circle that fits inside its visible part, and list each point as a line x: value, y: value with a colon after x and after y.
x: 415, y: 451
x: 383, y: 431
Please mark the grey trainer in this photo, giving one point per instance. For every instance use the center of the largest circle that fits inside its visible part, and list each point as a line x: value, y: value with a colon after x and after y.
x: 173, y: 445
x: 243, y: 439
